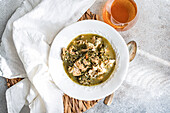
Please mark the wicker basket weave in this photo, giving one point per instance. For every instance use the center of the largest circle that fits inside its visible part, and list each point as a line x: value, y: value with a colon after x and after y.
x: 71, y: 105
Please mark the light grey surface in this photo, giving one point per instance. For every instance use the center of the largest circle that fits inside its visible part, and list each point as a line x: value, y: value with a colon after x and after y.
x: 3, y: 87
x: 7, y: 7
x: 147, y: 85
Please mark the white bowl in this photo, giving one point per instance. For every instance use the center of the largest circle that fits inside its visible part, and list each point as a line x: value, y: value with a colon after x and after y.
x: 73, y: 89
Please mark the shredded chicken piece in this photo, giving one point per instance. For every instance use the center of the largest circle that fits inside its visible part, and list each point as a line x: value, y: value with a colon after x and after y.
x: 76, y: 71
x: 80, y: 42
x: 64, y: 51
x: 70, y: 69
x: 98, y: 41
x: 100, y: 77
x: 93, y: 39
x: 71, y: 50
x: 111, y: 62
x: 92, y: 72
x: 95, y: 60
x: 85, y: 69
x: 102, y: 71
x: 86, y: 62
x: 63, y: 55
x: 90, y: 45
x: 84, y: 50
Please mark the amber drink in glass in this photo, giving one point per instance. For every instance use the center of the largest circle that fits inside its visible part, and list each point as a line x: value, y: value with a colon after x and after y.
x: 120, y: 14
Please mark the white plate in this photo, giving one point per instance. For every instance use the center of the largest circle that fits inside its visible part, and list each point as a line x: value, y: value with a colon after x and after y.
x: 73, y: 89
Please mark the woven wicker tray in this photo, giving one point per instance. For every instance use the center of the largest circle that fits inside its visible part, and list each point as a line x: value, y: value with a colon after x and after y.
x: 71, y: 105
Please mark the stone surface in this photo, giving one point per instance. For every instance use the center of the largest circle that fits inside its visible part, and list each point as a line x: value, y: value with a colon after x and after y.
x: 3, y: 87
x: 147, y: 85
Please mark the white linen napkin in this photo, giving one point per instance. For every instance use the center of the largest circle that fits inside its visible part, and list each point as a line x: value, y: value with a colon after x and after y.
x: 32, y: 35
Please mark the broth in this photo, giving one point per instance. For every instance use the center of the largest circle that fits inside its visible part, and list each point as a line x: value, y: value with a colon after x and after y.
x: 86, y: 63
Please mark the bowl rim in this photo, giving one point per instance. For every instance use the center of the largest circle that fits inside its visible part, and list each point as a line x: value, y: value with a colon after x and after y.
x: 101, y: 92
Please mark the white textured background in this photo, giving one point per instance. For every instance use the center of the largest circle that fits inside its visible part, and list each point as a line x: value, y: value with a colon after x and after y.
x: 147, y: 85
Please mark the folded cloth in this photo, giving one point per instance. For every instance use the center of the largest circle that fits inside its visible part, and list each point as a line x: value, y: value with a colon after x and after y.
x: 24, y: 93
x: 11, y: 65
x: 32, y: 35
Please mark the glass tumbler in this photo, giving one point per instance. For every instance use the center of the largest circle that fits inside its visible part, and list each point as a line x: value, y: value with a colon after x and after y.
x: 120, y: 14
